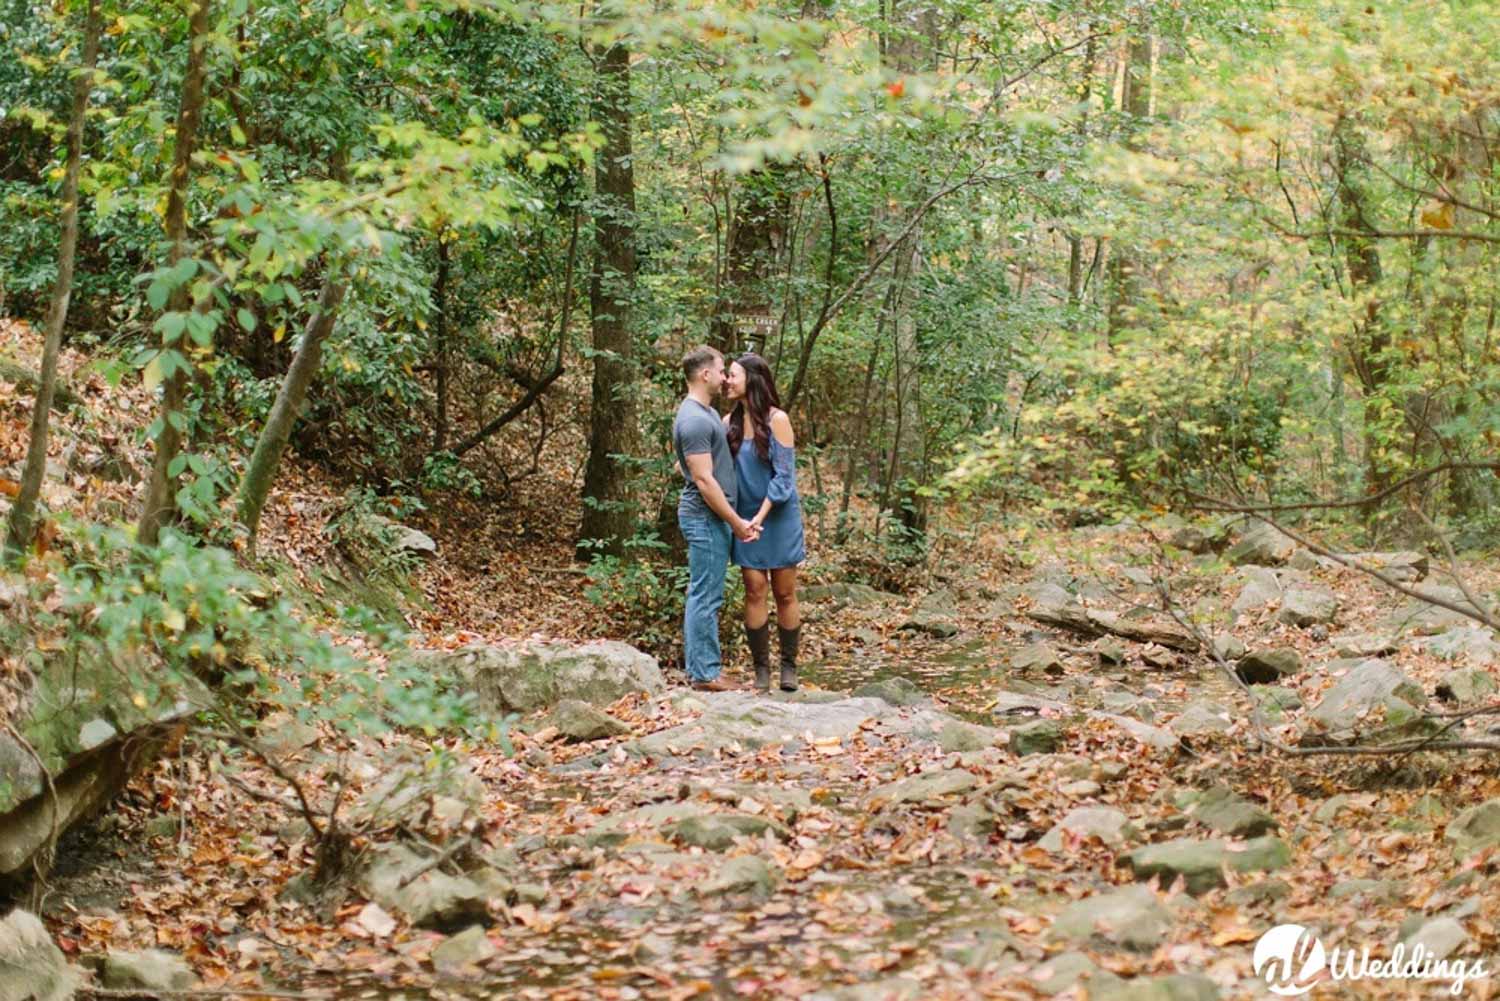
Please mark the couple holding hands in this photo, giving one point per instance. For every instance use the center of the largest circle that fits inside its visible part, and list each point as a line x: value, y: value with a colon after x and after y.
x: 739, y: 503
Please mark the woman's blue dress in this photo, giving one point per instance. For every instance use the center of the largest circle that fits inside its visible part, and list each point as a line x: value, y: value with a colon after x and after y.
x: 781, y: 543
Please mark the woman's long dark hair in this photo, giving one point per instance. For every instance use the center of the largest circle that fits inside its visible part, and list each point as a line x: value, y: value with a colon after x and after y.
x: 761, y: 399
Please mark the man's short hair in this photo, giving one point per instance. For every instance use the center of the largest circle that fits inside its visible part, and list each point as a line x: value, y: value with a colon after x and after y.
x: 698, y: 359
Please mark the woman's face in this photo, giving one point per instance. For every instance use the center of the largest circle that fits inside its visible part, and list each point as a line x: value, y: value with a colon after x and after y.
x: 734, y: 382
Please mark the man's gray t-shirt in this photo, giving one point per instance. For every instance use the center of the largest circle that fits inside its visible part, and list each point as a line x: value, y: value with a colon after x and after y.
x: 697, y: 430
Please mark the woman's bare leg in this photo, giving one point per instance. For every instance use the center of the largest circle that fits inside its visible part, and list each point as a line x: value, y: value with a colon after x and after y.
x: 784, y: 587
x: 756, y: 588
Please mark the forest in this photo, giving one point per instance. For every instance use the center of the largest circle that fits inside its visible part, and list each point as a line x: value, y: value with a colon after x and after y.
x: 1145, y: 383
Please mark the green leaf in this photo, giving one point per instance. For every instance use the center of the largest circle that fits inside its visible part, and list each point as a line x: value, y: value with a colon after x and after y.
x: 156, y: 294
x: 177, y: 465
x: 246, y: 318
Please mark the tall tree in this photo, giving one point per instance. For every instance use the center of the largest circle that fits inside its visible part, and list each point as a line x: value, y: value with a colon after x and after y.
x: 607, y: 517
x: 1135, y: 102
x: 159, y: 501
x: 23, y: 512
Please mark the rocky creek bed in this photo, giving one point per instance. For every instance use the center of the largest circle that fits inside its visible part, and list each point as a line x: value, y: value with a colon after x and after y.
x: 1039, y: 786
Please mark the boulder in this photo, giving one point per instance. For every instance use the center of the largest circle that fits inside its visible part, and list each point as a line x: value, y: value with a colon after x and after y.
x: 1422, y: 618
x: 1035, y: 658
x: 1370, y: 684
x: 934, y: 615
x: 895, y: 691
x: 433, y: 899
x: 1227, y: 646
x: 1201, y: 719
x: 716, y: 832
x: 1057, y: 607
x: 1038, y: 736
x: 743, y: 874
x: 1106, y: 823
x: 150, y: 970
x: 970, y: 820
x: 579, y: 721
x: 839, y: 595
x: 1305, y: 605
x: 1267, y: 667
x: 1201, y: 864
x: 1404, y: 567
x: 1476, y: 828
x: 1228, y: 813
x: 927, y: 789
x: 1366, y: 644
x: 1471, y: 645
x: 32, y: 967
x: 535, y: 674
x: 403, y: 538
x: 464, y: 951
x: 1130, y: 916
x: 1440, y: 937
x: 1177, y: 987
x: 1261, y: 545
x: 1468, y: 684
x: 1194, y: 540
x: 1261, y: 588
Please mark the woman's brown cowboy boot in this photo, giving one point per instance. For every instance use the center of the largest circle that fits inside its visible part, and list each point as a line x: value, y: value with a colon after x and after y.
x: 789, y: 638
x: 759, y: 639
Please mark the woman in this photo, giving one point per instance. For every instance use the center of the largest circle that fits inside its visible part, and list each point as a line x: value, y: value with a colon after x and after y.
x: 760, y: 436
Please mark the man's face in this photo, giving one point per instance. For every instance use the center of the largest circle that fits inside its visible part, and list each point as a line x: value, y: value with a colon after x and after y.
x: 713, y: 376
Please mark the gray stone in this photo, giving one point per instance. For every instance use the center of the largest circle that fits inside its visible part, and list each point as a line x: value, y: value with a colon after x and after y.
x: 934, y: 615
x: 1177, y: 987
x: 1471, y: 645
x: 958, y: 737
x: 1228, y: 813
x: 1267, y: 667
x: 1200, y: 719
x: 1386, y: 891
x: 716, y: 832
x: 1064, y: 971
x: 1106, y: 823
x: 1130, y: 916
x: 1034, y: 658
x: 895, y: 691
x: 1369, y: 644
x: 469, y: 948
x: 579, y: 721
x: 1440, y: 937
x: 1055, y: 606
x: 1111, y: 651
x: 533, y: 674
x: 1468, y: 684
x: 149, y: 970
x: 1227, y: 646
x: 1201, y: 864
x: 743, y: 874
x: 1261, y: 545
x: 839, y: 595
x: 433, y: 899
x: 1476, y: 828
x: 1422, y: 618
x: 1330, y: 808
x: 1192, y: 539
x: 32, y: 967
x: 970, y: 820
x: 747, y: 720
x: 925, y: 789
x: 1259, y: 893
x: 95, y: 732
x: 1369, y: 685
x: 1275, y: 699
x: 1304, y: 559
x: 1403, y: 567
x: 1305, y: 605
x: 1262, y: 588
x: 1038, y: 736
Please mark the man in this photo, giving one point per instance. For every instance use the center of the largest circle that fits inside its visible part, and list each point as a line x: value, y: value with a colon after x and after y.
x: 705, y: 514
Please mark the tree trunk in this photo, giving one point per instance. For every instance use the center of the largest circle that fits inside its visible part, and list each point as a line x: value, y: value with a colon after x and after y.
x: 607, y: 515
x: 261, y: 472
x: 755, y: 234
x: 1123, y: 268
x: 22, y: 513
x: 160, y: 501
x: 440, y: 335
x: 1075, y: 241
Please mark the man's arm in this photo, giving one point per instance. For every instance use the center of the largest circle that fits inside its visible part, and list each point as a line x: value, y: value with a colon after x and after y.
x: 701, y: 468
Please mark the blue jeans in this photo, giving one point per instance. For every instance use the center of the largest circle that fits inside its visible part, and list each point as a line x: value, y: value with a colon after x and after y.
x: 708, y: 538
